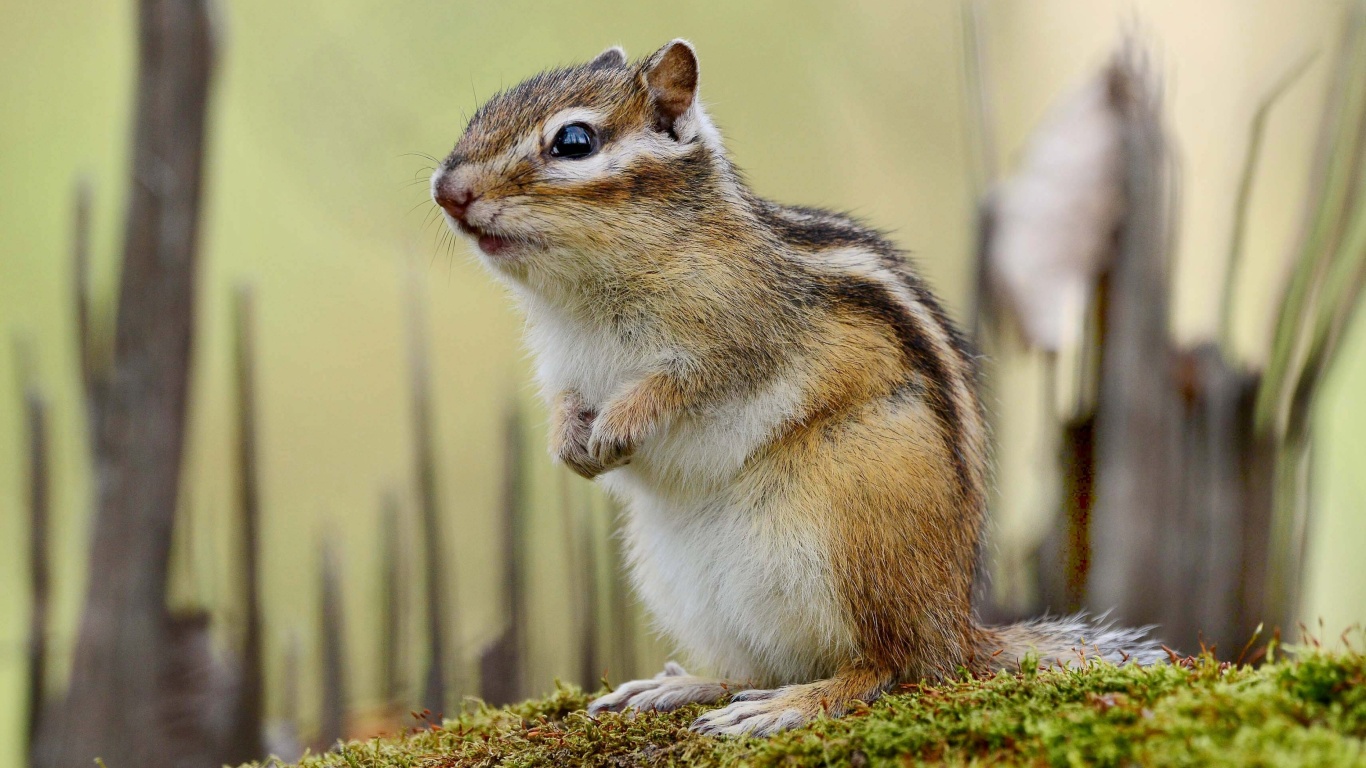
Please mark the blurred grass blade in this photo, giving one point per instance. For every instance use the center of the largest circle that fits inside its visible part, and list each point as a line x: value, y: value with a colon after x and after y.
x: 1336, y: 183
x: 1243, y: 200
x: 1324, y: 290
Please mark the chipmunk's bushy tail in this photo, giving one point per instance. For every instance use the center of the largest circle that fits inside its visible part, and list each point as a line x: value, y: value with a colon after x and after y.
x: 1071, y: 641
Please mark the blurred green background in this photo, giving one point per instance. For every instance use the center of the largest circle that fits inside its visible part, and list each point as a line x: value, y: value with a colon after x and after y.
x: 317, y: 110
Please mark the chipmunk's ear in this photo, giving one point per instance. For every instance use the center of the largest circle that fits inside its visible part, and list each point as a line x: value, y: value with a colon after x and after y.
x: 671, y: 76
x: 612, y: 58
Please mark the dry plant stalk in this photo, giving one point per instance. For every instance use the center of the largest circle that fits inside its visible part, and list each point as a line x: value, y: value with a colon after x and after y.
x: 245, y: 729
x: 124, y: 679
x: 35, y: 409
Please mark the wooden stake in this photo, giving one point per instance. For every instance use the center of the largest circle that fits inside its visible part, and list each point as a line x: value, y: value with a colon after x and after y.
x: 115, y: 702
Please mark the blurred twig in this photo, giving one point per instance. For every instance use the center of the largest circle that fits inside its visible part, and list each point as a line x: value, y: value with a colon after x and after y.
x: 245, y: 731
x: 39, y: 564
x: 501, y: 666
x: 583, y: 578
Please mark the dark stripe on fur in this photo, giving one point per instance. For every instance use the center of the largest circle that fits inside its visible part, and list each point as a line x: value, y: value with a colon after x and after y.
x: 814, y: 230
x: 875, y: 301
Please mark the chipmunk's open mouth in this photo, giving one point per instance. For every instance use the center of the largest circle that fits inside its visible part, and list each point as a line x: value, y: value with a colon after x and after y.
x: 492, y: 245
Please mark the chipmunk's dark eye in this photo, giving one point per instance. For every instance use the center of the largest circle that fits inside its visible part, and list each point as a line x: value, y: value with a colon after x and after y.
x: 574, y: 141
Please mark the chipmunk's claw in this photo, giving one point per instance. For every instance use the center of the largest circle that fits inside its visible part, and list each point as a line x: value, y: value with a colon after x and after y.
x: 620, y: 699
x: 580, y: 464
x: 751, y: 713
x: 569, y: 442
x: 754, y: 694
x: 665, y: 692
x: 607, y: 450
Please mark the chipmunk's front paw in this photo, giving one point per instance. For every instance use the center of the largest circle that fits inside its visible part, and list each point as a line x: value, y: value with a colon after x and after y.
x: 569, y: 439
x: 665, y: 692
x: 617, y: 431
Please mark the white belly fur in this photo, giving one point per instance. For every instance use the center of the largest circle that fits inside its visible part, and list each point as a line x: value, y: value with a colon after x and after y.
x: 745, y: 590
x: 741, y: 583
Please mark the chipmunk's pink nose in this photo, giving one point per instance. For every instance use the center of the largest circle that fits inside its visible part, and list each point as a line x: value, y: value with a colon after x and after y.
x: 454, y: 197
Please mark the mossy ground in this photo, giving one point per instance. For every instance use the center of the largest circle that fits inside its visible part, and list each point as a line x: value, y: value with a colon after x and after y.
x: 1307, y: 711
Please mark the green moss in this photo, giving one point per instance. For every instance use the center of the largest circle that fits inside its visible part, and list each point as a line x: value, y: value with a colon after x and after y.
x: 1307, y: 711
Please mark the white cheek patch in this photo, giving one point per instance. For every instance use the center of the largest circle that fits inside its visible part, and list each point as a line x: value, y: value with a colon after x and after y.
x: 610, y: 158
x: 564, y: 117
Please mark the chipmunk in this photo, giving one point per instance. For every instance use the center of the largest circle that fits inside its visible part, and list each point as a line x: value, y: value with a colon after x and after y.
x: 783, y: 407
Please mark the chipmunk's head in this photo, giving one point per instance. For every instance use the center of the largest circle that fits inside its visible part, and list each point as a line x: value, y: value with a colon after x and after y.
x: 581, y: 169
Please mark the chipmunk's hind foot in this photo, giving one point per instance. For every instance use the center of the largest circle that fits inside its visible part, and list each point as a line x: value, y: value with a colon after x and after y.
x: 764, y: 713
x: 665, y: 692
